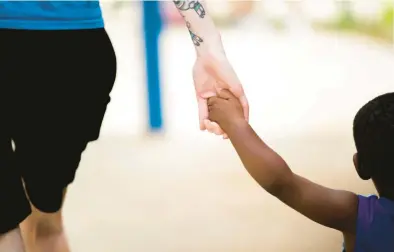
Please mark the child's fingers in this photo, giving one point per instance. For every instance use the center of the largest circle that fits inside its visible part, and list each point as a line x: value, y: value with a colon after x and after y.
x: 212, y: 100
x: 226, y: 94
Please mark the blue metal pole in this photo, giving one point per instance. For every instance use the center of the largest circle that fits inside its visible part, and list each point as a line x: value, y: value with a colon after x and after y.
x: 152, y: 26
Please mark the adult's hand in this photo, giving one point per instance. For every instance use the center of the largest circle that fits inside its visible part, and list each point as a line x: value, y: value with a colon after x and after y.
x: 212, y: 72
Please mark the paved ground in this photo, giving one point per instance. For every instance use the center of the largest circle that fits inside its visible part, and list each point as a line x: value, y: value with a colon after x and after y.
x: 186, y: 190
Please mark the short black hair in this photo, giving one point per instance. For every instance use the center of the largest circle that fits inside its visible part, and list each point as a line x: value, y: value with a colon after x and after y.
x: 373, y: 132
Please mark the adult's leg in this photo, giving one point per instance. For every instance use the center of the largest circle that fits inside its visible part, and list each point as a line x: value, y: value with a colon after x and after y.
x: 66, y: 92
x: 11, y: 241
x: 44, y: 231
x: 14, y: 206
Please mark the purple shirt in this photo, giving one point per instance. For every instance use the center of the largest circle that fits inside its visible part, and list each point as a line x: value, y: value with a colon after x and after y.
x: 375, y: 225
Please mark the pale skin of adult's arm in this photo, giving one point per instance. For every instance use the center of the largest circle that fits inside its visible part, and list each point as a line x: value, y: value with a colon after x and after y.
x: 212, y: 71
x: 206, y: 38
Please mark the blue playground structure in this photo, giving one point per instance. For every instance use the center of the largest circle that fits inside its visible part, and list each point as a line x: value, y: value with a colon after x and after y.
x: 152, y: 27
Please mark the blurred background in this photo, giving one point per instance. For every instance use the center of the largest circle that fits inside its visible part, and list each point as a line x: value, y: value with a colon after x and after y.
x: 307, y: 67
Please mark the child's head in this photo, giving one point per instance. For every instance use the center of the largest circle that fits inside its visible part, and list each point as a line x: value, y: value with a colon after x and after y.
x: 373, y: 131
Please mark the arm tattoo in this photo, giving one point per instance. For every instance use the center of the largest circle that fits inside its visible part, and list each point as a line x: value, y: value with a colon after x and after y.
x: 196, y: 39
x: 188, y: 4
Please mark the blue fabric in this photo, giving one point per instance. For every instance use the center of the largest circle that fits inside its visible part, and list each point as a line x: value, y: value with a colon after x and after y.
x: 375, y: 225
x: 50, y: 15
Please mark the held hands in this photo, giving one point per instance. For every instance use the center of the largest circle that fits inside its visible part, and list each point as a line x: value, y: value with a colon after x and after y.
x: 226, y: 110
x: 213, y: 73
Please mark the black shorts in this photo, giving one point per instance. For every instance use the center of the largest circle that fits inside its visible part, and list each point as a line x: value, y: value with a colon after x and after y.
x: 54, y: 90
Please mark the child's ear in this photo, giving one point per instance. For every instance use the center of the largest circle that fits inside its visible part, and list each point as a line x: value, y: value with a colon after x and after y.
x: 361, y: 169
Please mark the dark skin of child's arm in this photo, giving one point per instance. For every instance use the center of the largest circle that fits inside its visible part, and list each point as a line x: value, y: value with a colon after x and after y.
x: 336, y: 209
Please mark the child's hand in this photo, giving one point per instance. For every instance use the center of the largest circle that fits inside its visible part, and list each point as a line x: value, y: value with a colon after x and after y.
x: 226, y: 110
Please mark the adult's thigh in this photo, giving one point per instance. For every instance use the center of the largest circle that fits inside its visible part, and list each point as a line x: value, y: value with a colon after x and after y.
x: 62, y: 98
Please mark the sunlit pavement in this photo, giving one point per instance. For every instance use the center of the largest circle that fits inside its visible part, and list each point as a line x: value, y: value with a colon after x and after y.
x: 187, y: 190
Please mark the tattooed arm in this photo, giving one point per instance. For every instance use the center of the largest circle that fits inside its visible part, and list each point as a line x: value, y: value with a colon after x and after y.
x: 205, y: 36
x: 212, y: 70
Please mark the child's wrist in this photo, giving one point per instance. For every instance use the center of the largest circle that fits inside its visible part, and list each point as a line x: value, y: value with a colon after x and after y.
x: 235, y: 127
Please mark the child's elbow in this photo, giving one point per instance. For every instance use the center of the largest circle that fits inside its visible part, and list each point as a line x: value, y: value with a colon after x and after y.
x: 278, y: 178
x: 281, y: 186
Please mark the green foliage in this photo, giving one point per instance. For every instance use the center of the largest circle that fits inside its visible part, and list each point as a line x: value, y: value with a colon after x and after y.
x: 277, y: 24
x: 381, y: 28
x: 388, y: 15
x: 346, y: 19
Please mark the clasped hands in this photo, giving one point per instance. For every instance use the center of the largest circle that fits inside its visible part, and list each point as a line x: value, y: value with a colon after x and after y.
x: 211, y: 74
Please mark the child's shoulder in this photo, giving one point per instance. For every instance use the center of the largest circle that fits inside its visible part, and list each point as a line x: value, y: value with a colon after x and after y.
x: 375, y: 223
x: 371, y: 209
x: 373, y: 204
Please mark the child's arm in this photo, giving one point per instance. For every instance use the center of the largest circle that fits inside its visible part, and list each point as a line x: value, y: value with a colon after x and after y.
x: 206, y: 38
x: 332, y: 208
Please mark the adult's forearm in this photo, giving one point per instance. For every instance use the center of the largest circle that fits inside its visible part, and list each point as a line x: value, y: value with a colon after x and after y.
x: 206, y: 38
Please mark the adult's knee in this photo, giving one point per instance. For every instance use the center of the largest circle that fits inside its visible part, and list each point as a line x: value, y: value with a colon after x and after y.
x: 43, y: 224
x: 50, y: 224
